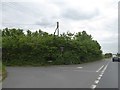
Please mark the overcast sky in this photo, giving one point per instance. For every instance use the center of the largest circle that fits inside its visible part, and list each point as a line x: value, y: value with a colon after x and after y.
x: 98, y: 17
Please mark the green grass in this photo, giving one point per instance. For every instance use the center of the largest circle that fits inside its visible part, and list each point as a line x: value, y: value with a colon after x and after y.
x: 3, y: 71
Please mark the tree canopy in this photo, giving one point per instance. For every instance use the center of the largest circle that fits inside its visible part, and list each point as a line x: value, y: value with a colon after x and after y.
x: 39, y: 47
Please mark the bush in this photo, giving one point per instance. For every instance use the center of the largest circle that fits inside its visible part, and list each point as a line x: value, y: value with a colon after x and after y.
x: 108, y: 55
x: 38, y: 48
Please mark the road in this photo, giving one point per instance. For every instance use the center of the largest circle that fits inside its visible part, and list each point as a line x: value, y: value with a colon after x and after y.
x: 99, y: 74
x: 110, y: 77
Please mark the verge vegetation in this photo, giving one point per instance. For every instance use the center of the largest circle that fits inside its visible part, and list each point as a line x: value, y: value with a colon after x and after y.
x: 108, y: 55
x: 41, y: 48
x: 3, y: 72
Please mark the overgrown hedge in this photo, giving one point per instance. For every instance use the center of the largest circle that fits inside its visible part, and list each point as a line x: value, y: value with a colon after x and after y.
x: 3, y: 71
x: 39, y: 48
x: 108, y: 55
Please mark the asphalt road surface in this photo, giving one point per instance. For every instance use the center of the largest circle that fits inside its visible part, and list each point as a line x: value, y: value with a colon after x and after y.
x: 110, y: 77
x: 99, y: 74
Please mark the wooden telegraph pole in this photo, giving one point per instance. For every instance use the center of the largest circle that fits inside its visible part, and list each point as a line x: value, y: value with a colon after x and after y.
x: 57, y: 29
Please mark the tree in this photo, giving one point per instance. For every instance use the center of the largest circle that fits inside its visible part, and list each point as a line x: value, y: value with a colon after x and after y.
x: 37, y: 48
x: 108, y: 55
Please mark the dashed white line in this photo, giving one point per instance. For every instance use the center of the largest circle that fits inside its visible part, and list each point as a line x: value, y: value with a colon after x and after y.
x: 83, y: 70
x: 99, y: 78
x: 93, y: 86
x: 105, y: 67
x: 100, y: 68
x: 100, y: 75
x: 79, y: 67
x: 96, y: 81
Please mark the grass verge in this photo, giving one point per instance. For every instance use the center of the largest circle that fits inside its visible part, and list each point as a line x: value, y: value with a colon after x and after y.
x: 3, y: 72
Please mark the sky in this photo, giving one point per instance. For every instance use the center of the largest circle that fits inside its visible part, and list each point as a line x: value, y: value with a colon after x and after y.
x: 98, y: 18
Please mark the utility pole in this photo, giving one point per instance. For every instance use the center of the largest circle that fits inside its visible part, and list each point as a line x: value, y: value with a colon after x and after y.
x: 57, y: 29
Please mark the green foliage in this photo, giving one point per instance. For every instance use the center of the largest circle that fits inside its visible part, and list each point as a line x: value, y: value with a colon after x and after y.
x: 38, y: 48
x: 3, y: 71
x: 108, y: 55
x: 118, y: 54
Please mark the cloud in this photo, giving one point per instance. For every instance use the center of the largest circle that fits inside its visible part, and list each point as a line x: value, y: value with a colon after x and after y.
x: 45, y: 22
x: 77, y: 10
x: 16, y: 13
x: 97, y: 17
x: 77, y: 14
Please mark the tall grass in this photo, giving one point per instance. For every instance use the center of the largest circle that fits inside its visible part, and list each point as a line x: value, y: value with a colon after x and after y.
x: 3, y: 72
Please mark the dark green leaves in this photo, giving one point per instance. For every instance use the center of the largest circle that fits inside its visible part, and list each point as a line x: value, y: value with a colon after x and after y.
x: 38, y: 48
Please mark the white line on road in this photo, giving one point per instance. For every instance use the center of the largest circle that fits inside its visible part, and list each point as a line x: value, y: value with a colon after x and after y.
x: 83, y: 70
x: 100, y: 68
x: 100, y: 75
x: 105, y: 67
x: 99, y: 78
x: 96, y: 81
x: 79, y: 67
x: 93, y: 86
x: 80, y: 70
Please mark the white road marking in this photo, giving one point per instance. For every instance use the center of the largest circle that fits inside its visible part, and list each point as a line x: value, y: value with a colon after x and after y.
x: 100, y: 68
x: 100, y: 75
x: 84, y: 70
x: 99, y: 78
x: 79, y: 67
x: 80, y: 70
x: 105, y: 67
x: 96, y: 81
x: 93, y: 86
